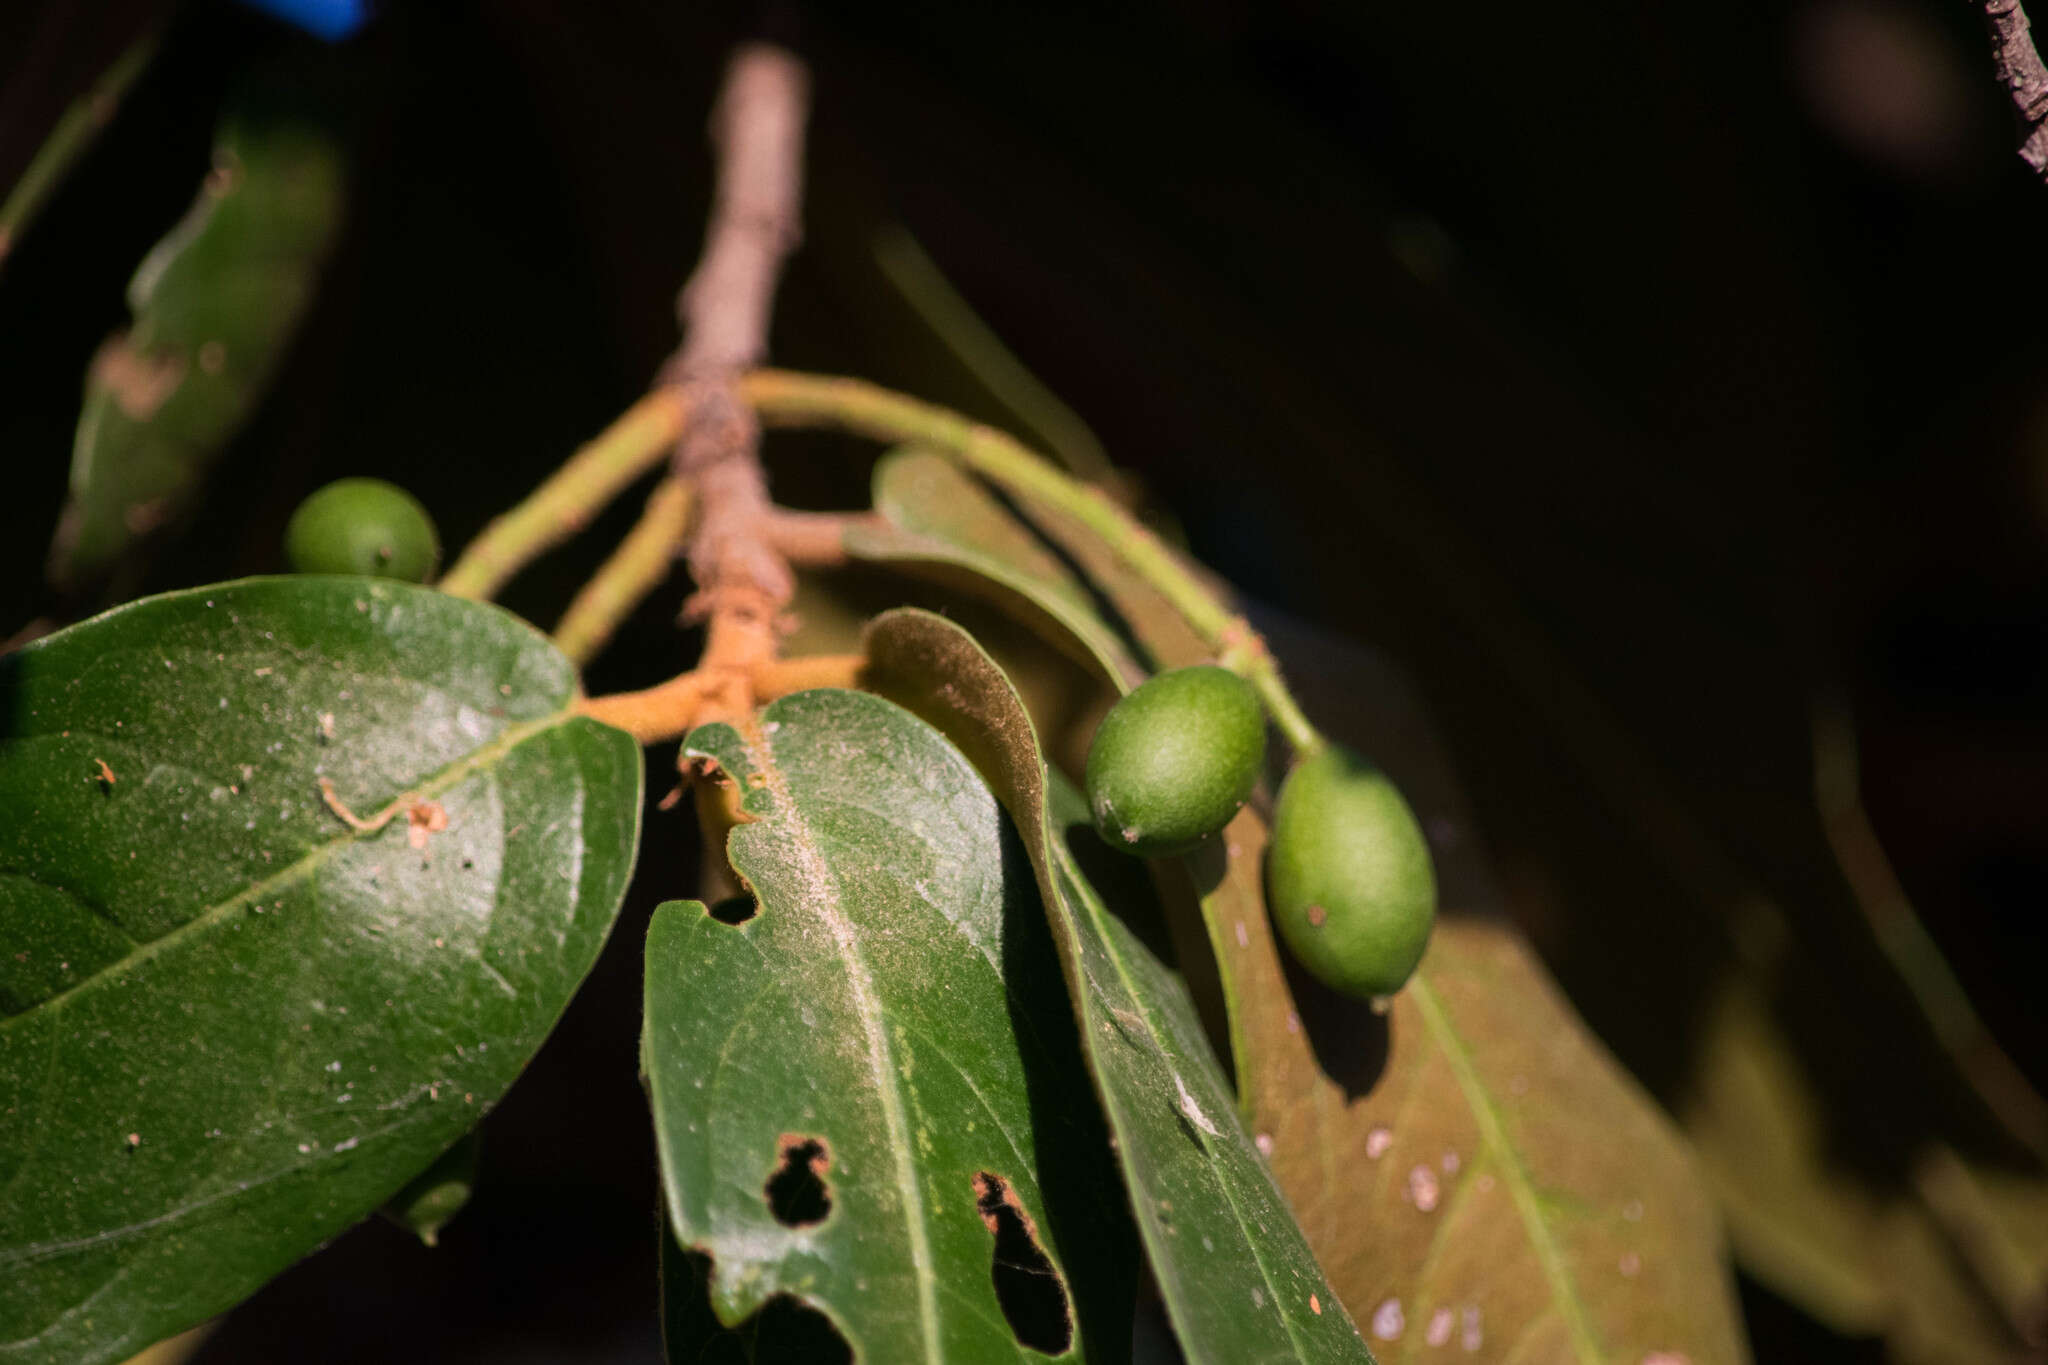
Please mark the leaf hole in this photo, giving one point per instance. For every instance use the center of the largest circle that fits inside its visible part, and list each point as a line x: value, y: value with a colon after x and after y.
x: 796, y: 1189
x: 734, y: 909
x: 785, y: 1329
x: 1028, y: 1288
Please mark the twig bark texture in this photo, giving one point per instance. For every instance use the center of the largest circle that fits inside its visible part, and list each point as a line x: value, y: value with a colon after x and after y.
x: 743, y: 581
x: 2019, y: 69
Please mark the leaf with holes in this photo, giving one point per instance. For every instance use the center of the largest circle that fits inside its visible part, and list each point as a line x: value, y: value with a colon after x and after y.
x: 232, y: 1023
x: 1238, y: 1277
x: 937, y: 516
x: 215, y: 303
x: 866, y: 1088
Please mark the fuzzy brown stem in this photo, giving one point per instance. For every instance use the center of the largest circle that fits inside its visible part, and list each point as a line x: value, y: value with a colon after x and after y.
x: 814, y: 539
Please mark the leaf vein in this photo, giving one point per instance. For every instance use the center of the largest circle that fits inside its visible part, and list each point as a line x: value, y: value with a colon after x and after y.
x: 881, y: 1061
x: 1564, y: 1290
x: 306, y: 864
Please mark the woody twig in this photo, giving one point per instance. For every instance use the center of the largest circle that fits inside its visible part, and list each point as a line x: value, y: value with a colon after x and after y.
x: 744, y: 581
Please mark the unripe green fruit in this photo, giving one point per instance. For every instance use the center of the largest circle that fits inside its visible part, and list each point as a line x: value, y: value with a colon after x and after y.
x: 1348, y: 870
x: 1174, y: 760
x: 363, y: 526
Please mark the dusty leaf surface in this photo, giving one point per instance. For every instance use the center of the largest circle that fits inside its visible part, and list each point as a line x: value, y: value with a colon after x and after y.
x: 869, y: 1086
x: 232, y: 1024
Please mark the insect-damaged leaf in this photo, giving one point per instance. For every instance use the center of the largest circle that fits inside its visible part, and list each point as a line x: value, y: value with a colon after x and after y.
x: 230, y: 1023
x: 1239, y: 1280
x: 866, y: 1087
x: 215, y: 303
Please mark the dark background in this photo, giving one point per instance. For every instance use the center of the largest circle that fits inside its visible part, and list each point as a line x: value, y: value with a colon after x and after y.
x: 1634, y: 374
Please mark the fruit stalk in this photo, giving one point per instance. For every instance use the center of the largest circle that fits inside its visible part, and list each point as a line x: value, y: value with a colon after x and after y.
x: 787, y: 398
x: 634, y: 570
x: 563, y: 505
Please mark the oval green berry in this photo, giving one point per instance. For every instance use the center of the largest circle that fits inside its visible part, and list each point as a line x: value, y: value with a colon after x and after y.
x: 1353, y: 891
x: 363, y: 526
x: 1174, y: 760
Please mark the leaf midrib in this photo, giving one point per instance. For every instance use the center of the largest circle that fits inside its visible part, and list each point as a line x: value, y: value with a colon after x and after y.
x: 804, y: 840
x: 1521, y: 1188
x: 306, y: 864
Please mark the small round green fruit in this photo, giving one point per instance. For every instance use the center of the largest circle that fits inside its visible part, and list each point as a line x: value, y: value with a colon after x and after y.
x: 363, y: 526
x: 1172, y: 762
x: 1352, y: 888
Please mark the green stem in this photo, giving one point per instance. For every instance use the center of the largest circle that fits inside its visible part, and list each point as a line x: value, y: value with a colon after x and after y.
x: 76, y: 131
x: 784, y: 398
x: 640, y: 564
x: 631, y: 446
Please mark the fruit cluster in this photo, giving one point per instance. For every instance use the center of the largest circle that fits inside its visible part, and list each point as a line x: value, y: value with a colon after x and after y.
x: 1348, y: 871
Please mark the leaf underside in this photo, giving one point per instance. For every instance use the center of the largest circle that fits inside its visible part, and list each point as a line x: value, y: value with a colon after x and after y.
x: 231, y: 1025
x: 867, y: 1093
x: 1238, y: 1277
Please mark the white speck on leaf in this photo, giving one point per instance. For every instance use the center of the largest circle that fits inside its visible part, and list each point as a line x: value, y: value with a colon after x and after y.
x: 1422, y: 1188
x: 1193, y: 1111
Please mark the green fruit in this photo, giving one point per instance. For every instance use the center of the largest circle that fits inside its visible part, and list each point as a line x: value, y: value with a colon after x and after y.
x: 1352, y: 888
x: 1174, y: 760
x: 363, y: 526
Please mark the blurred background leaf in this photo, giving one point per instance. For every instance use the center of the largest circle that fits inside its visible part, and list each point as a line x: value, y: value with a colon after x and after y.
x: 214, y: 304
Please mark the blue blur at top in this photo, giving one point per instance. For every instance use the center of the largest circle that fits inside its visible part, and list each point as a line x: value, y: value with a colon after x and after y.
x: 329, y: 19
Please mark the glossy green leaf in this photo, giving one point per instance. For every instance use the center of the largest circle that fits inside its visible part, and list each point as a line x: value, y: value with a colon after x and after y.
x: 1236, y: 1272
x: 937, y: 515
x: 232, y: 1024
x: 215, y: 304
x: 868, y: 1093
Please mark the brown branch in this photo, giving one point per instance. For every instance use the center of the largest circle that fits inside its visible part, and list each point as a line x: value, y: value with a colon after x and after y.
x: 670, y: 710
x: 814, y: 539
x: 654, y: 714
x: 2018, y: 67
x: 743, y: 581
